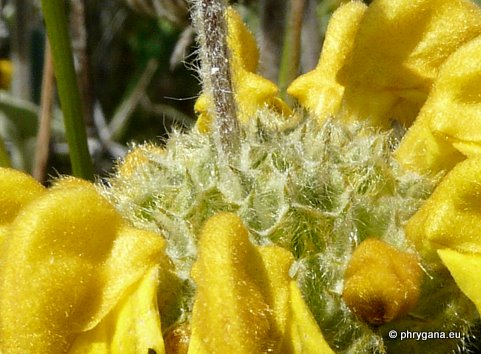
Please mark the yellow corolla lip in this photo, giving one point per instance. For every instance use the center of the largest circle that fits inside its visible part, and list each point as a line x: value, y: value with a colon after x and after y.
x: 319, y: 90
x: 464, y: 268
x: 447, y: 129
x: 397, y: 53
x: 245, y: 301
x: 448, y: 226
x: 133, y: 325
x: 450, y: 217
x: 17, y: 189
x: 71, y: 259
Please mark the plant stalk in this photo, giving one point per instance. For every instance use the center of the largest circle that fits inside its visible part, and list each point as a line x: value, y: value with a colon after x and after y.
x: 210, y: 22
x: 56, y: 20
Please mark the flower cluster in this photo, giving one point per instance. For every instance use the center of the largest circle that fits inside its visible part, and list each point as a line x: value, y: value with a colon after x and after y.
x: 325, y: 232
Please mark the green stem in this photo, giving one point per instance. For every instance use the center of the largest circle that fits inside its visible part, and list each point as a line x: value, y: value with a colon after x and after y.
x: 291, y: 50
x: 56, y: 20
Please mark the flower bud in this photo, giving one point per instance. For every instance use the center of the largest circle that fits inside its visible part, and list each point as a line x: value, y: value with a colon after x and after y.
x: 381, y: 283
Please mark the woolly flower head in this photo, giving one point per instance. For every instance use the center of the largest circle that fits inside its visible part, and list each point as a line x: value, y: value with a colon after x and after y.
x: 318, y: 230
x: 329, y: 190
x: 317, y: 191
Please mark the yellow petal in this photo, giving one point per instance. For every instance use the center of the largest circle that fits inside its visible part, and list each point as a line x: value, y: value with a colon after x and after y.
x: 245, y: 300
x: 71, y: 182
x: 242, y: 45
x: 132, y: 327
x: 229, y: 315
x: 133, y: 253
x: 4, y: 230
x: 398, y: 50
x: 273, y: 284
x: 204, y: 120
x: 303, y: 331
x: 252, y: 92
x: 17, y: 189
x: 465, y: 270
x: 70, y: 259
x: 422, y: 151
x: 450, y: 217
x: 448, y: 127
x: 295, y: 324
x: 456, y: 100
x: 318, y: 90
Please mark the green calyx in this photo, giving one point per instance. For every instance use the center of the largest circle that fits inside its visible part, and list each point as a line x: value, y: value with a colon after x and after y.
x: 318, y: 191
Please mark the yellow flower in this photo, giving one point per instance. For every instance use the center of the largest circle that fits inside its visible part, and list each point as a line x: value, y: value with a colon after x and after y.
x: 398, y: 50
x: 381, y: 282
x: 88, y: 282
x: 410, y: 62
x: 70, y: 264
x: 251, y: 91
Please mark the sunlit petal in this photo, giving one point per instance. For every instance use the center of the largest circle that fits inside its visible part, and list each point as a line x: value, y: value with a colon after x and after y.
x: 70, y: 258
x: 464, y: 267
x: 245, y: 301
x: 450, y: 217
x: 133, y: 326
x: 398, y: 50
x: 318, y: 90
x: 17, y: 189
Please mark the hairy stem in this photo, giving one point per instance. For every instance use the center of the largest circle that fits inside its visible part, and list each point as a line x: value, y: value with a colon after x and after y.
x: 55, y: 14
x: 210, y: 22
